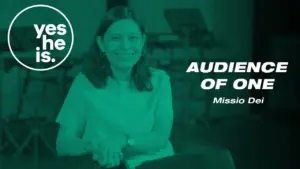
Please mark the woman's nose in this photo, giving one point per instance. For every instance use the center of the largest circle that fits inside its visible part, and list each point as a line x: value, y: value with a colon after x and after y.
x: 125, y: 43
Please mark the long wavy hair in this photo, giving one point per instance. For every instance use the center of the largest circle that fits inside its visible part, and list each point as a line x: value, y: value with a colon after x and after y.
x: 96, y: 66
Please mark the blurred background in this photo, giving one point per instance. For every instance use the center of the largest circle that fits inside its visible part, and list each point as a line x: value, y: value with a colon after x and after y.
x: 257, y: 136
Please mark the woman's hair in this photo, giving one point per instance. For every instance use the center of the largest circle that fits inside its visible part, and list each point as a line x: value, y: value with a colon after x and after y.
x: 96, y: 66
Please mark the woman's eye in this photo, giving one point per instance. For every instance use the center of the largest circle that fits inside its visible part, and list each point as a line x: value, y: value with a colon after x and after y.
x: 115, y: 38
x: 134, y: 37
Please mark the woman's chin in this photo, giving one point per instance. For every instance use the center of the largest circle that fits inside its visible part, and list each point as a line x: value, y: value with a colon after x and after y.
x: 124, y: 67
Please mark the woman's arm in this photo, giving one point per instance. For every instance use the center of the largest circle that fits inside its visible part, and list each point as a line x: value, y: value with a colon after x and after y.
x: 68, y: 143
x: 72, y: 121
x: 160, y: 134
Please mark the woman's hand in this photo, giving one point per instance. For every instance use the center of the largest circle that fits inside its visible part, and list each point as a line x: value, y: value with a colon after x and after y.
x: 111, y: 158
x: 109, y: 151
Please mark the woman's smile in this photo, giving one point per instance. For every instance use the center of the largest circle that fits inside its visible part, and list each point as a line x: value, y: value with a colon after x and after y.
x: 124, y: 55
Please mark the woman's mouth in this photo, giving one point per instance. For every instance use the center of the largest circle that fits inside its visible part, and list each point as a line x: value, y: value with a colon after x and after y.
x: 124, y: 53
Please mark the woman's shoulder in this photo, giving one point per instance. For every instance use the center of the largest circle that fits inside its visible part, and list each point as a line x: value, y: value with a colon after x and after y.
x: 158, y: 73
x: 159, y: 76
x: 80, y: 80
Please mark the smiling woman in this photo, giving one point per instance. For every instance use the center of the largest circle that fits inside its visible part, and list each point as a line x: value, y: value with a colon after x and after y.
x: 122, y: 44
x: 119, y: 45
x: 118, y: 109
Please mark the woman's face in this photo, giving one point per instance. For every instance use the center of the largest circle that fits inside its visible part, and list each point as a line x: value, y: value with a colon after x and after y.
x: 123, y: 44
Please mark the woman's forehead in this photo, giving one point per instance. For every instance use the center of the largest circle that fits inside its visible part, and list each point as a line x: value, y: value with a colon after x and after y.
x: 124, y: 26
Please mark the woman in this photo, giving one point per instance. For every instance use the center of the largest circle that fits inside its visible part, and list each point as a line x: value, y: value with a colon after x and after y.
x: 118, y: 109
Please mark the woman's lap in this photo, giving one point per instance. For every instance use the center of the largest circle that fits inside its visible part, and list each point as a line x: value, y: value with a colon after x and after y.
x: 209, y: 159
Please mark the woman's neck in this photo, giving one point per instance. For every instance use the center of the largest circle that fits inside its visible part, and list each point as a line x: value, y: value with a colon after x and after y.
x: 121, y: 74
